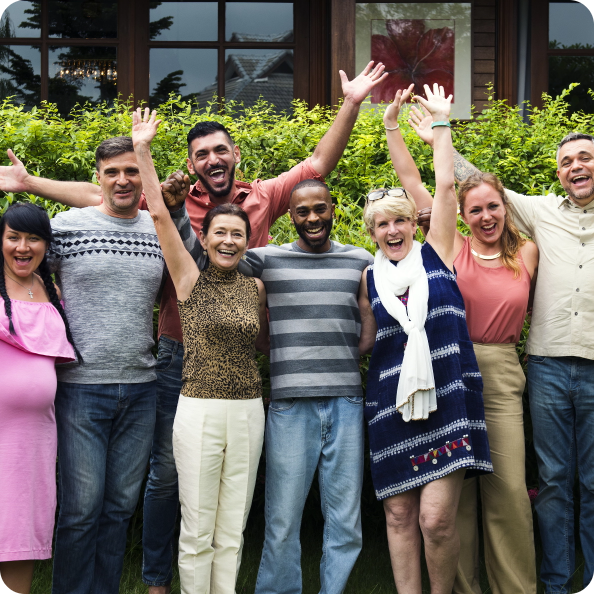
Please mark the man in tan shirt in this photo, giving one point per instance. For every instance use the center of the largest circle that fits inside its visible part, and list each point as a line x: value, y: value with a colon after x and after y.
x: 561, y: 355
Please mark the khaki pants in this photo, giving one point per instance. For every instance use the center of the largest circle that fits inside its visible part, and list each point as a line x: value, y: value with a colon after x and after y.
x: 216, y: 445
x: 507, y: 517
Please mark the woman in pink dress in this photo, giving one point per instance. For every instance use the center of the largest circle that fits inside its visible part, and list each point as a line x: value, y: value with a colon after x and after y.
x: 34, y: 335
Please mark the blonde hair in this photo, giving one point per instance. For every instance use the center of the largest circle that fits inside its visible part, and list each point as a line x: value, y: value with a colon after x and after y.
x: 389, y: 206
x: 511, y: 240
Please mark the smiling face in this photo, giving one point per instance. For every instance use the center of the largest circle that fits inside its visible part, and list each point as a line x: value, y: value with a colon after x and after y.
x: 312, y: 213
x: 22, y: 251
x: 394, y: 235
x: 225, y: 242
x: 484, y: 212
x: 121, y: 185
x: 576, y: 170
x: 213, y: 159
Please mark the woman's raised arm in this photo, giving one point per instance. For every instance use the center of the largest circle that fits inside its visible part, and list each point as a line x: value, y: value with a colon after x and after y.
x: 182, y: 268
x: 445, y: 206
x: 403, y: 163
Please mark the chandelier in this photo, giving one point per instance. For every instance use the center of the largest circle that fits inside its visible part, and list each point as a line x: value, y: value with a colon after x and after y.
x: 100, y: 70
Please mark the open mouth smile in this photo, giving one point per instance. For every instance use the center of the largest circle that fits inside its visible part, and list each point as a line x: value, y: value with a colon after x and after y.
x: 217, y: 174
x: 395, y: 243
x: 580, y: 180
x: 22, y: 260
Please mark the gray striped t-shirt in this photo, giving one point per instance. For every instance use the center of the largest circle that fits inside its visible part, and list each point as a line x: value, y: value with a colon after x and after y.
x: 314, y: 318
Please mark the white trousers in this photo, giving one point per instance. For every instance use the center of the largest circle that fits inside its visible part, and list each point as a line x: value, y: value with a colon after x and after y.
x: 216, y: 445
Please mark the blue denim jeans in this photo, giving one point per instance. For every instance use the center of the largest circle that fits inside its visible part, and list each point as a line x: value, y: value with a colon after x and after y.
x: 562, y: 408
x: 104, y: 440
x: 161, y: 499
x: 303, y: 434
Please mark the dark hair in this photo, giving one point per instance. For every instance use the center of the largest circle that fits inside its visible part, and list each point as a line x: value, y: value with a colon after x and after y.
x: 30, y: 218
x: 511, y: 240
x: 571, y: 137
x: 310, y: 183
x: 112, y: 147
x: 202, y: 129
x: 227, y: 209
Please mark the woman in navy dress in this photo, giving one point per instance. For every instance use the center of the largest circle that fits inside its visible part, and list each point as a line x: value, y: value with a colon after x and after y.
x: 424, y: 405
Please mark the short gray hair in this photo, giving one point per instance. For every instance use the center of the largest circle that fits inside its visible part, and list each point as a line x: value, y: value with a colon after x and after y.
x: 571, y: 137
x: 112, y: 147
x: 389, y: 206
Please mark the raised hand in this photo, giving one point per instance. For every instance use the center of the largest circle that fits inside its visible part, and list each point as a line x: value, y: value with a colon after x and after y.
x: 13, y: 177
x: 144, y: 128
x: 357, y: 89
x: 393, y: 110
x: 175, y: 189
x: 420, y: 120
x: 436, y: 103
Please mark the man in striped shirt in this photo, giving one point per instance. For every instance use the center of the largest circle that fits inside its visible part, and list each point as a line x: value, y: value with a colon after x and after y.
x: 315, y: 419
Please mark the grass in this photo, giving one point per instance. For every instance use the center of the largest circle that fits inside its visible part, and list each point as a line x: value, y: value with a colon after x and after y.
x: 372, y: 573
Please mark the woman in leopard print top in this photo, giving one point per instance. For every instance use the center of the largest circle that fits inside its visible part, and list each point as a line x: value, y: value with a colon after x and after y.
x: 219, y: 424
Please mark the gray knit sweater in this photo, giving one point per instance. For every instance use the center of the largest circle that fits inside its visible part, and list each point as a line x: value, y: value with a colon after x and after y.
x: 109, y: 271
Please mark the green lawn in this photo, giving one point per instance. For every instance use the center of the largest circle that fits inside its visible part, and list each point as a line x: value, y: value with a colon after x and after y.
x: 372, y: 573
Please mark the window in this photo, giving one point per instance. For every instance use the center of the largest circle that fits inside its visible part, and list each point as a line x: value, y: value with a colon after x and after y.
x: 64, y: 51
x: 571, y: 52
x: 237, y: 50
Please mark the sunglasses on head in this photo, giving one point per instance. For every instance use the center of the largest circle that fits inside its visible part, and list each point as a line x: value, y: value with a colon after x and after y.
x: 381, y: 192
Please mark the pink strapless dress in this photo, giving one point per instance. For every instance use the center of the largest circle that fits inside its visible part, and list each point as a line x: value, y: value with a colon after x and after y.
x: 28, y: 439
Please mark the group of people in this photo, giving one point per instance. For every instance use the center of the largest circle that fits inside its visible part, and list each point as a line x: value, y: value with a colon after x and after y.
x: 444, y: 395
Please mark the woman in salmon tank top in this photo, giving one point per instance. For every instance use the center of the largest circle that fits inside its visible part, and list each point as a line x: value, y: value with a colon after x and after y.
x: 496, y: 272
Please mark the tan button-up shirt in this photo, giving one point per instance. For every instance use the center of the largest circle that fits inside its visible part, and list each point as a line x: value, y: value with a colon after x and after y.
x: 563, y: 313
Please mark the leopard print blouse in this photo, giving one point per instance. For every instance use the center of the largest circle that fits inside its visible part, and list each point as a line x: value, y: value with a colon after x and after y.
x: 220, y: 323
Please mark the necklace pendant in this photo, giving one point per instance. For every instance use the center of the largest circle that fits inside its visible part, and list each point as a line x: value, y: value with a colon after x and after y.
x: 30, y: 293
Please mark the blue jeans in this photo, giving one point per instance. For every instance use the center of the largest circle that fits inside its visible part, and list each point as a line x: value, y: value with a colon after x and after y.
x: 104, y: 440
x: 562, y: 408
x: 303, y: 434
x: 161, y: 499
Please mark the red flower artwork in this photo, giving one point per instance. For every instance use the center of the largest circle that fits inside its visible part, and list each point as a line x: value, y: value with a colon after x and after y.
x: 413, y: 54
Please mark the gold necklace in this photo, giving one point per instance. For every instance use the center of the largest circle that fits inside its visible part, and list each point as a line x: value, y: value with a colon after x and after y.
x: 29, y: 289
x: 494, y: 257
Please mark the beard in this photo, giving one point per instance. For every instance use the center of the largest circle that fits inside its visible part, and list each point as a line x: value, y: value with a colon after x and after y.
x: 218, y: 192
x: 584, y: 194
x: 326, y: 225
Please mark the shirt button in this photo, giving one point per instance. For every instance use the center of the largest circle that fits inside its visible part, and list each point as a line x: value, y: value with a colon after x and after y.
x: 583, y: 244
x: 580, y: 265
x: 585, y: 212
x: 577, y: 290
x: 583, y: 228
x: 576, y: 313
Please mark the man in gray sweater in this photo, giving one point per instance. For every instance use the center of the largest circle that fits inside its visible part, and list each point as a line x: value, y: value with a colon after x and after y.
x: 109, y: 267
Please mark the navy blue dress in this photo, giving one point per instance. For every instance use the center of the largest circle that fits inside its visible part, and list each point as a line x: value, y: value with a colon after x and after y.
x: 408, y: 455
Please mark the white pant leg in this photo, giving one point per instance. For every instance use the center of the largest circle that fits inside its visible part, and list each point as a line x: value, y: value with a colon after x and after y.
x: 217, y: 446
x: 245, y: 435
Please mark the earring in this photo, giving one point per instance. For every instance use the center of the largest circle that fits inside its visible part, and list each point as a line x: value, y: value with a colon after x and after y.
x: 205, y: 253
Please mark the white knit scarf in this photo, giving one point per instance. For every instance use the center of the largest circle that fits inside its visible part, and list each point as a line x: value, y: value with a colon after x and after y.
x: 415, y: 396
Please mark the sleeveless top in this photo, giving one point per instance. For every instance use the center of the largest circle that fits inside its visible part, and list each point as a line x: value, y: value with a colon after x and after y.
x: 407, y: 455
x: 220, y: 324
x: 496, y: 303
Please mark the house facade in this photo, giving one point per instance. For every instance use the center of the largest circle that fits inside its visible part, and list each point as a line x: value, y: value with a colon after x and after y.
x: 69, y: 51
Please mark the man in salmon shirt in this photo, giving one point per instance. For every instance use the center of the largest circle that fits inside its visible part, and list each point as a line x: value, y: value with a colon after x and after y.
x: 212, y: 157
